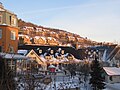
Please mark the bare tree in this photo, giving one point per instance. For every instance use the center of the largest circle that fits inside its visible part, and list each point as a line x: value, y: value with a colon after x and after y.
x: 6, y: 76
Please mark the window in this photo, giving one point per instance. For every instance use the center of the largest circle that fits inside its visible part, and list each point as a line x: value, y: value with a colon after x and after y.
x: 10, y: 20
x: 13, y: 21
x: 34, y: 58
x: 0, y: 19
x: 11, y: 49
x: 0, y: 33
x: 40, y: 51
x: 62, y: 52
x: 51, y: 51
x: 12, y: 35
x: 32, y: 53
x: 111, y: 78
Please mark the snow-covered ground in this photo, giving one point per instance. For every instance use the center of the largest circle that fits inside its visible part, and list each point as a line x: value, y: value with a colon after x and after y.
x: 58, y: 83
x: 115, y: 86
x: 65, y: 82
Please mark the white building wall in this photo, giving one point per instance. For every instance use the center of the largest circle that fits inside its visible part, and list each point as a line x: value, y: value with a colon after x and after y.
x: 115, y: 79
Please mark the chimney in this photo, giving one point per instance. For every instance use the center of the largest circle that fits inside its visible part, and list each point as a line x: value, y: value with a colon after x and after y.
x: 1, y: 6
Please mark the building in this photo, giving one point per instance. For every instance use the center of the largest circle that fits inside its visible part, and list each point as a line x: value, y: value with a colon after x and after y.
x: 112, y: 74
x: 40, y: 40
x: 8, y: 31
x: 50, y: 56
x: 114, y: 57
x: 52, y: 41
x: 24, y: 39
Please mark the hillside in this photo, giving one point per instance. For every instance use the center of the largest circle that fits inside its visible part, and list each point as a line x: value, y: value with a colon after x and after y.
x: 30, y: 33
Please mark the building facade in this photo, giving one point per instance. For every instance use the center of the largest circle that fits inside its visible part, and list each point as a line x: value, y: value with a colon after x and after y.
x: 8, y: 31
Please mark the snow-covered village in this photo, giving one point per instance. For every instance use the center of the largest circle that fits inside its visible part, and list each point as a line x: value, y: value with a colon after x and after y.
x: 36, y: 57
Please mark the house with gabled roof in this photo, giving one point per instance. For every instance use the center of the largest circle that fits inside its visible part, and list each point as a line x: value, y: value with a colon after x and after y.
x: 34, y: 58
x: 112, y: 74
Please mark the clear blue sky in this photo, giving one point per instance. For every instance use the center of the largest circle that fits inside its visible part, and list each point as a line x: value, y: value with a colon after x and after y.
x: 98, y: 20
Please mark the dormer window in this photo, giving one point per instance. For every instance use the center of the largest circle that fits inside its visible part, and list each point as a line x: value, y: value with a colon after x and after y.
x: 48, y: 57
x: 62, y: 51
x: 51, y: 52
x: 70, y: 57
x: 13, y: 21
x: 40, y: 51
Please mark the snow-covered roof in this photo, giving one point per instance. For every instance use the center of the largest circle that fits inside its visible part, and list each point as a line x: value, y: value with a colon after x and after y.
x: 37, y: 37
x: 38, y: 28
x: 51, y: 66
x: 28, y: 27
x: 68, y: 45
x: 76, y: 60
x: 47, y: 54
x: 42, y: 58
x: 50, y: 38
x: 57, y: 54
x: 22, y: 52
x: 44, y: 38
x: 112, y: 71
x: 13, y: 56
x: 53, y: 32
x: 22, y: 35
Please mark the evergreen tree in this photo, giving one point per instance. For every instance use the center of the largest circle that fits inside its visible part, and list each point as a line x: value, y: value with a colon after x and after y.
x: 96, y: 80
